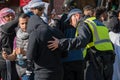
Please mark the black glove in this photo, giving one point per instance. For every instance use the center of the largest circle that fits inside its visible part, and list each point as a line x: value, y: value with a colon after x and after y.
x: 30, y: 65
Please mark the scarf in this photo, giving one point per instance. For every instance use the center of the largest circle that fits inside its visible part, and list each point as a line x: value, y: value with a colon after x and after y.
x: 5, y: 12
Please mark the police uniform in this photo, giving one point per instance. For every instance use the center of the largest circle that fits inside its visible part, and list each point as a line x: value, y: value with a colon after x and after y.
x: 98, y: 50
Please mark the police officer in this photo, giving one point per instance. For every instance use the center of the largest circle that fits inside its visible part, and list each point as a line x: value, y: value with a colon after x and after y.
x: 98, y: 50
x: 73, y: 62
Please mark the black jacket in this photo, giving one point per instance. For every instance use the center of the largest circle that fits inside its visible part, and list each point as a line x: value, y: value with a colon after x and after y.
x: 7, y: 36
x: 81, y: 41
x: 44, y: 59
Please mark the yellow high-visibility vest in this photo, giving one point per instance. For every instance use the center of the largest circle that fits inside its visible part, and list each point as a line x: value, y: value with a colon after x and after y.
x: 101, y: 40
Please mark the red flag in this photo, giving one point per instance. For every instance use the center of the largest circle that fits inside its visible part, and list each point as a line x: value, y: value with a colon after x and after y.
x: 24, y: 2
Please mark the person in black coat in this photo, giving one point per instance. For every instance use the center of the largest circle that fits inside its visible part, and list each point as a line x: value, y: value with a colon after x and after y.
x: 7, y: 35
x: 47, y: 63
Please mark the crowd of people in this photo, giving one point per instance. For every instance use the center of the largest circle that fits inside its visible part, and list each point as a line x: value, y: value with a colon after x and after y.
x: 81, y: 44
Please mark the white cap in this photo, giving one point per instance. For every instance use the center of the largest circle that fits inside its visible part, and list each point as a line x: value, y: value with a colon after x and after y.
x: 73, y: 11
x: 36, y: 4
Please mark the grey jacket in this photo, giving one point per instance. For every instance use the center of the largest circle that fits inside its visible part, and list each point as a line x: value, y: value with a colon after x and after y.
x: 22, y: 39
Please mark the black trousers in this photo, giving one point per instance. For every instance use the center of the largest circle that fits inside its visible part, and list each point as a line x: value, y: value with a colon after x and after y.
x: 48, y: 74
x: 74, y: 70
x: 3, y: 75
x: 3, y: 71
x: 14, y: 74
x: 92, y: 73
x: 99, y: 65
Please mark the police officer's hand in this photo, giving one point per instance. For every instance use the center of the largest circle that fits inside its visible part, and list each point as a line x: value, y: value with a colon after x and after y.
x: 53, y: 44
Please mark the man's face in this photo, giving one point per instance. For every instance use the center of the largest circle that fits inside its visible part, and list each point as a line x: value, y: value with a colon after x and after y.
x: 34, y: 10
x: 9, y: 17
x: 37, y: 11
x: 104, y: 16
x: 23, y: 23
x: 74, y: 19
x: 88, y: 12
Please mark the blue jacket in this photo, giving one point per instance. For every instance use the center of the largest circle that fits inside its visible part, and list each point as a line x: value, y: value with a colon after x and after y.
x: 73, y: 55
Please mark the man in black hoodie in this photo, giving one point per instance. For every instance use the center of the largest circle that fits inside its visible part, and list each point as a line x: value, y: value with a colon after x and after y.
x: 47, y: 64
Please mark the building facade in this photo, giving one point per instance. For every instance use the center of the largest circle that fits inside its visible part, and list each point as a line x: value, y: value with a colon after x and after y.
x: 54, y: 4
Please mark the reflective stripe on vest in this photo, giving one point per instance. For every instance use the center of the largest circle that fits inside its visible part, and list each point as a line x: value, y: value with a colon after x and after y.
x: 100, y: 34
x: 76, y: 33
